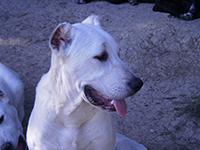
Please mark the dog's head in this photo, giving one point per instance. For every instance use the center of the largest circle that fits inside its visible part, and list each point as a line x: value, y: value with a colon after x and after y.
x: 11, y: 132
x: 89, y: 60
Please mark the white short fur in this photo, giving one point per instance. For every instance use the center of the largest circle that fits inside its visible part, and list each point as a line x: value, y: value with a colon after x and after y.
x: 62, y: 117
x: 11, y: 106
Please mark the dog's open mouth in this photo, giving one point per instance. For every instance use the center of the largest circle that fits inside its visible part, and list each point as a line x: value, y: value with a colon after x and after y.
x: 97, y: 99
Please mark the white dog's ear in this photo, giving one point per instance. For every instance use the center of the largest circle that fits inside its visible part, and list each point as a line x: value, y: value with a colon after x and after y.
x: 3, y: 97
x: 93, y: 19
x: 61, y: 36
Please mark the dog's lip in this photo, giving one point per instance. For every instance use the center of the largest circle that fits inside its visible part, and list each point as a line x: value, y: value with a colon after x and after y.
x: 97, y: 99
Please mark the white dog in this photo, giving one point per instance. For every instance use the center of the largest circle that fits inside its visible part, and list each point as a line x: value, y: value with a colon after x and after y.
x: 85, y: 82
x: 11, y: 110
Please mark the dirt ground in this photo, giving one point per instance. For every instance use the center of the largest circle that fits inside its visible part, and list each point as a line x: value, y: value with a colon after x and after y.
x: 162, y: 50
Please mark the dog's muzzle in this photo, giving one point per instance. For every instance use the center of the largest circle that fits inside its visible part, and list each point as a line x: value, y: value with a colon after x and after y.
x: 119, y: 105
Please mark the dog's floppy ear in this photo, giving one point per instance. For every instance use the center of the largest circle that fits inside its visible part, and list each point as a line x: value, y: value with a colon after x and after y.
x: 93, y: 19
x: 61, y: 36
x: 3, y: 97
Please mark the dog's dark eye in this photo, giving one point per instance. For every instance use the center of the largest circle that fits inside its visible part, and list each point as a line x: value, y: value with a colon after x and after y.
x: 1, y: 119
x: 102, y: 57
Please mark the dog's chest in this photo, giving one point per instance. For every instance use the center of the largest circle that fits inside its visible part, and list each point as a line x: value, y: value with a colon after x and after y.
x: 87, y: 129
x: 98, y: 133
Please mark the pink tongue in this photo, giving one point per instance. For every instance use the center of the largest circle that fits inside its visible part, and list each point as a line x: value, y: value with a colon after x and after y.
x: 120, y: 106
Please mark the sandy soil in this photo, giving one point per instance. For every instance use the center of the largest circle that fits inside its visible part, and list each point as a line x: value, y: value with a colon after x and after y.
x: 163, y: 51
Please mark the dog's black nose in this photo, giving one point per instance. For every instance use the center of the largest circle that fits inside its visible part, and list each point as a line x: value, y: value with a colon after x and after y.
x: 135, y: 84
x: 6, y: 146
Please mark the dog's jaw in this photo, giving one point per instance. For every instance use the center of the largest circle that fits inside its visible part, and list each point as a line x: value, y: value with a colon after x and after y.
x: 97, y: 99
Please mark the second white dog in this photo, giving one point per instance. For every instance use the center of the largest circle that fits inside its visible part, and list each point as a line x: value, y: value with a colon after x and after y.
x: 86, y: 81
x: 11, y: 110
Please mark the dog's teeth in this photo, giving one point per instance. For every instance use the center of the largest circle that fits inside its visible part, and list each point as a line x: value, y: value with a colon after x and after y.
x: 112, y: 102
